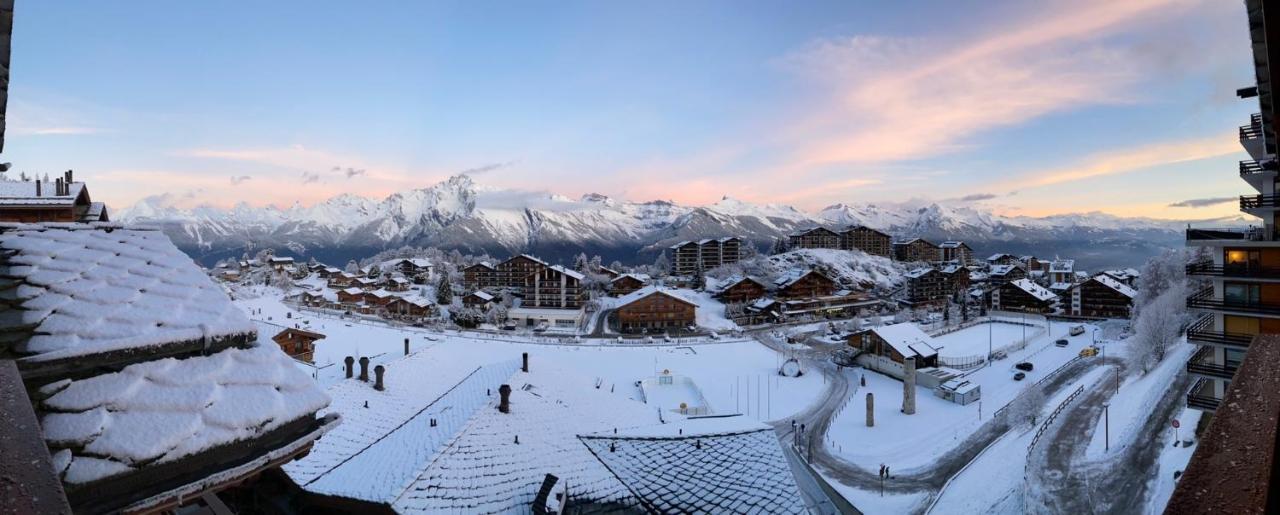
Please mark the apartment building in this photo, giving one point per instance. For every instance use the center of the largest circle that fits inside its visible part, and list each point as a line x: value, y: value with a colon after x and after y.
x: 956, y: 251
x: 815, y: 238
x: 916, y: 250
x: 687, y: 257
x: 554, y: 287
x: 511, y: 274
x: 866, y: 239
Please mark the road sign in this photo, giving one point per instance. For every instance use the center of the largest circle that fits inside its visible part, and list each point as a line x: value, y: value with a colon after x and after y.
x: 1176, y: 424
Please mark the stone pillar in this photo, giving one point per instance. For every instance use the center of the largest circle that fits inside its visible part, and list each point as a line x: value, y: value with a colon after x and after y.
x: 364, y: 369
x: 377, y: 377
x: 909, y: 387
x: 350, y: 361
x: 406, y: 346
x: 504, y: 403
x: 525, y: 366
x: 871, y: 410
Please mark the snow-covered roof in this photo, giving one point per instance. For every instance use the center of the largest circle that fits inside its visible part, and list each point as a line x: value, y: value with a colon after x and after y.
x: 682, y: 295
x: 482, y: 295
x: 709, y: 465
x: 644, y: 278
x: 1060, y: 287
x: 952, y: 268
x: 952, y: 244
x: 280, y: 260
x: 156, y: 412
x: 534, y: 259
x: 918, y: 273
x: 332, y: 270
x: 1033, y: 289
x: 1118, y: 286
x: 485, y: 470
x: 24, y: 193
x: 568, y: 272
x: 959, y: 385
x: 94, y: 213
x: 416, y: 300
x: 999, y: 256
x: 793, y: 277
x: 92, y: 288
x: 907, y: 339
x: 381, y: 294
x: 1001, y: 270
x: 485, y: 264
x: 1062, y: 266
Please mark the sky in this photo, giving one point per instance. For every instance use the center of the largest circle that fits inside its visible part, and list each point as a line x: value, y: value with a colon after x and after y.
x: 1033, y: 108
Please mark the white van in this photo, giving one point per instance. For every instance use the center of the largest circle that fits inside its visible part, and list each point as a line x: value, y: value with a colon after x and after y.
x: 1077, y: 330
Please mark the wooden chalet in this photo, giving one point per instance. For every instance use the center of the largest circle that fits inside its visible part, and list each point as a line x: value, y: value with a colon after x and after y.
x: 807, y: 285
x: 1102, y: 296
x: 109, y: 450
x: 608, y: 272
x: 408, y: 267
x: 342, y: 280
x: 866, y: 239
x: 280, y: 263
x: 59, y: 200
x: 350, y: 296
x: 627, y: 283
x: 553, y: 287
x: 478, y: 299
x: 1023, y: 295
x: 480, y: 276
x: 896, y: 343
x: 957, y: 277
x: 653, y: 310
x: 512, y: 273
x: 413, y: 307
x: 815, y: 238
x: 956, y: 251
x: 1003, y: 259
x: 328, y: 272
x: 299, y: 344
x: 916, y: 250
x: 397, y: 284
x: 1001, y: 274
x: 742, y: 290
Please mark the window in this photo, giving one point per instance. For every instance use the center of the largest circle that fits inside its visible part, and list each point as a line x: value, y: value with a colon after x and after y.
x: 1241, y: 294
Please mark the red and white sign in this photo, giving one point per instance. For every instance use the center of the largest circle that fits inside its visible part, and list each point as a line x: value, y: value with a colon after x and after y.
x: 1176, y: 424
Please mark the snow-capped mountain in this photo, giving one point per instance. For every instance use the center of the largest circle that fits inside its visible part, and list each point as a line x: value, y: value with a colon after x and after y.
x: 458, y: 213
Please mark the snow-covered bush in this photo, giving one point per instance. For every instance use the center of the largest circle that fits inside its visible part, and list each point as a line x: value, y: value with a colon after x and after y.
x: 1025, y: 408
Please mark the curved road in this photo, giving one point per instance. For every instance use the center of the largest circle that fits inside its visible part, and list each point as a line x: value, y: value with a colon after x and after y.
x: 818, y: 417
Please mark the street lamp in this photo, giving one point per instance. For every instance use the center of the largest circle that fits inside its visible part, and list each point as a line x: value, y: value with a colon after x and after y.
x: 1106, y: 414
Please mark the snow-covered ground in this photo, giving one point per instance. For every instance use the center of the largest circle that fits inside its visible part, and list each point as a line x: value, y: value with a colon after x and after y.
x: 1137, y: 395
x: 734, y: 375
x: 908, y: 442
x: 978, y: 340
x: 1173, y: 459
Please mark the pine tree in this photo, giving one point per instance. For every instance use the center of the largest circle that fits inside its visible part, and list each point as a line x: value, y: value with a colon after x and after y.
x: 353, y: 267
x: 661, y: 266
x: 444, y: 291
x: 780, y: 246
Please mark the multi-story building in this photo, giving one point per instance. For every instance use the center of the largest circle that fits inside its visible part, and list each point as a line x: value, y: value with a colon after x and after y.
x: 866, y: 239
x: 739, y: 290
x: 926, y: 286
x: 805, y: 285
x: 655, y: 309
x: 1062, y: 271
x: 511, y: 274
x: 956, y: 251
x: 1023, y: 295
x: 957, y: 277
x: 480, y: 276
x: 815, y: 238
x: 916, y: 250
x: 1001, y: 274
x: 1100, y: 296
x: 688, y: 257
x: 1244, y: 264
x: 554, y: 287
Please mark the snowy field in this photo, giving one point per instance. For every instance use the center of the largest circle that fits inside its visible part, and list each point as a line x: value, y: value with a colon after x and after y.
x: 977, y: 340
x: 734, y: 376
x: 909, y: 442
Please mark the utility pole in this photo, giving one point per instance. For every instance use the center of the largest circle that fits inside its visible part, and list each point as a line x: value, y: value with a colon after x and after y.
x: 1106, y: 414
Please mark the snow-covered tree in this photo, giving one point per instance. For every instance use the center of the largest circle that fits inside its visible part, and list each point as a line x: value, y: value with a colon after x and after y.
x: 374, y: 271
x: 444, y: 291
x: 281, y: 280
x: 497, y: 314
x: 1157, y: 327
x: 1159, y: 274
x: 352, y: 267
x: 580, y: 262
x: 780, y: 246
x: 661, y: 266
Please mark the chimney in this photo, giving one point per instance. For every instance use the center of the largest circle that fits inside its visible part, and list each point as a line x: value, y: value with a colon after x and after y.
x: 364, y: 369
x: 377, y: 375
x: 350, y: 366
x: 525, y: 358
x: 38, y: 186
x: 406, y: 346
x: 504, y: 404
x: 70, y: 175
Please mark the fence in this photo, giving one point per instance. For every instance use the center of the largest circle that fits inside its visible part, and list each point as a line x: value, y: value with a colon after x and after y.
x: 976, y: 360
x: 1037, y: 384
x: 1049, y: 420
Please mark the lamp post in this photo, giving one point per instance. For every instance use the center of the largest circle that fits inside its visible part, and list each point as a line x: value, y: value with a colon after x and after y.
x: 1106, y: 415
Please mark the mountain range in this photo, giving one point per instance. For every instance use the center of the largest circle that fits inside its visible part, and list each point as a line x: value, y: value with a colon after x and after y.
x: 460, y: 214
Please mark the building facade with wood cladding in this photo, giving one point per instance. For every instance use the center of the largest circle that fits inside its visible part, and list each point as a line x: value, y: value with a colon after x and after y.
x: 916, y: 250
x: 688, y: 257
x: 512, y: 273
x: 809, y: 284
x: 627, y: 283
x: 553, y: 287
x: 653, y: 309
x: 299, y: 344
x: 956, y: 251
x: 815, y: 238
x: 866, y: 239
x: 926, y: 286
x: 742, y: 290
x: 1024, y: 296
x: 59, y: 200
x: 1102, y: 296
x: 480, y: 276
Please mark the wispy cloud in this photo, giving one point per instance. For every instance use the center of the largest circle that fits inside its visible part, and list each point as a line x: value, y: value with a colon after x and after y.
x: 1131, y: 160
x: 487, y: 168
x: 1203, y: 202
x: 974, y: 197
x: 883, y: 109
x: 310, y: 177
x: 239, y: 179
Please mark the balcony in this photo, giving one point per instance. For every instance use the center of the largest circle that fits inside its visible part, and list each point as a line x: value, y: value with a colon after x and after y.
x: 1204, y: 299
x: 1226, y: 234
x: 1202, y: 332
x: 1201, y: 396
x: 1259, y: 202
x: 1243, y: 270
x: 1202, y: 364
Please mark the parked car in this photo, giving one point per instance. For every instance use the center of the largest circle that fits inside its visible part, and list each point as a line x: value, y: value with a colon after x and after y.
x: 1077, y: 330
x: 1019, y: 376
x: 1061, y: 342
x: 1089, y: 352
x: 1025, y: 366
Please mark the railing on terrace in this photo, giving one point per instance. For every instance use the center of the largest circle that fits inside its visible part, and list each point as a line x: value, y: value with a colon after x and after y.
x: 1253, y: 130
x: 1250, y: 167
x: 1208, y: 268
x: 1259, y: 201
x: 1202, y: 363
x: 1204, y: 299
x: 1201, y: 396
x: 1202, y: 332
x: 1226, y: 233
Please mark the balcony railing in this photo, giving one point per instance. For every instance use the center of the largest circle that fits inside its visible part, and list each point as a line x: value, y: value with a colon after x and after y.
x: 1204, y: 299
x: 1250, y: 167
x: 1253, y: 130
x: 1226, y: 233
x: 1201, y: 363
x: 1202, y: 332
x: 1201, y: 396
x: 1259, y: 201
x: 1207, y: 268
